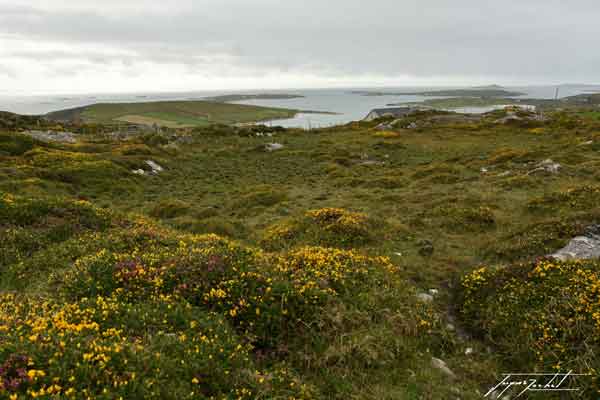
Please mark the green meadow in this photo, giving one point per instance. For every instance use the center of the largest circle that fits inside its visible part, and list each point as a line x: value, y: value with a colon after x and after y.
x: 172, y: 114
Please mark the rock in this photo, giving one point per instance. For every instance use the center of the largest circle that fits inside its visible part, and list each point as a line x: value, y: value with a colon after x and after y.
x: 507, y: 119
x: 426, y: 248
x: 372, y: 162
x: 425, y: 298
x: 413, y: 125
x: 52, y: 136
x: 398, y: 254
x: 584, y: 247
x: 434, y: 292
x: 450, y: 327
x: 484, y: 170
x: 156, y: 169
x: 273, y: 146
x: 504, y: 174
x: 139, y: 172
x: 547, y: 166
x: 468, y: 351
x: 588, y: 143
x: 384, y: 127
x: 441, y: 365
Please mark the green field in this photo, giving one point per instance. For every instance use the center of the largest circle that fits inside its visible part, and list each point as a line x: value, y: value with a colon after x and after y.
x: 295, y: 274
x: 172, y: 114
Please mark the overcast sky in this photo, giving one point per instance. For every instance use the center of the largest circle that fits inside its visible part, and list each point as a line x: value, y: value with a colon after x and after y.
x: 76, y: 46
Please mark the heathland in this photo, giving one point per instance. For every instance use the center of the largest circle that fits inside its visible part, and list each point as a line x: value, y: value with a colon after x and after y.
x: 377, y: 260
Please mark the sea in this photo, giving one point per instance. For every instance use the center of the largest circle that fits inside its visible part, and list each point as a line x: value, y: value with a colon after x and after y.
x: 343, y: 104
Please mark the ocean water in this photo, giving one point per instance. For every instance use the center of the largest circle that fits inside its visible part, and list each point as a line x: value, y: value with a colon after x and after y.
x: 346, y: 105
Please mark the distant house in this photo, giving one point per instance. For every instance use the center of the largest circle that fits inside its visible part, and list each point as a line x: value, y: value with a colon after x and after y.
x: 396, y: 112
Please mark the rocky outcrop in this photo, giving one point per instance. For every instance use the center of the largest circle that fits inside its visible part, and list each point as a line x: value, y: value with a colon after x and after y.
x: 52, y: 136
x: 583, y: 247
x: 548, y: 166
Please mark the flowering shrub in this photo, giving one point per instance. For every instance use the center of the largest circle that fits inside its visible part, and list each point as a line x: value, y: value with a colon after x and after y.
x: 106, y: 348
x: 323, y: 227
x: 321, y: 272
x: 539, y: 314
x: 263, y: 296
x: 28, y: 225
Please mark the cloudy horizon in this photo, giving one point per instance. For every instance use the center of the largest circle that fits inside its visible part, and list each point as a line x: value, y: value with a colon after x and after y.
x: 143, y: 46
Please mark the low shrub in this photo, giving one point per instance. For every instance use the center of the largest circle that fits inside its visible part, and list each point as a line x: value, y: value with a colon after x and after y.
x: 170, y: 208
x: 323, y: 227
x: 543, y: 316
x: 106, y: 348
x: 581, y: 198
x: 465, y: 219
x: 12, y: 144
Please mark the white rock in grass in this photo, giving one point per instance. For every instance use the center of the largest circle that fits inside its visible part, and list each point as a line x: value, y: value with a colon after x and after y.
x: 273, y: 146
x: 155, y: 167
x: 425, y: 298
x: 441, y: 365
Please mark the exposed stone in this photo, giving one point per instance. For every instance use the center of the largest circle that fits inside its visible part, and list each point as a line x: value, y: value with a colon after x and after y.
x: 547, y: 166
x: 412, y: 125
x: 441, y: 365
x: 273, y: 146
x: 425, y: 298
x: 469, y: 351
x: 52, y: 136
x: 434, y: 292
x: 384, y: 127
x: 156, y: 169
x: 372, y: 162
x: 139, y: 172
x: 583, y: 247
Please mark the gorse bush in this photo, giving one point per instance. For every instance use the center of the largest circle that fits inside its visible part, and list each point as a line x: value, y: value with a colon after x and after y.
x: 334, y: 227
x: 29, y: 225
x: 264, y: 297
x: 545, y: 316
x: 105, y: 348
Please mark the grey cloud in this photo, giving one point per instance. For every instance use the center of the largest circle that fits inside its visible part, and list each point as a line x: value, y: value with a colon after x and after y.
x: 550, y: 39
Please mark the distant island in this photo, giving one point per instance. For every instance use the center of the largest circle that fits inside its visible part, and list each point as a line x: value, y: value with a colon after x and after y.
x: 482, y: 92
x: 229, y: 98
x: 176, y: 114
x: 172, y: 114
x: 591, y: 100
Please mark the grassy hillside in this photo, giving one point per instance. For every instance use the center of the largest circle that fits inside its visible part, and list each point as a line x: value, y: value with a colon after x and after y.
x: 298, y: 273
x: 172, y: 114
